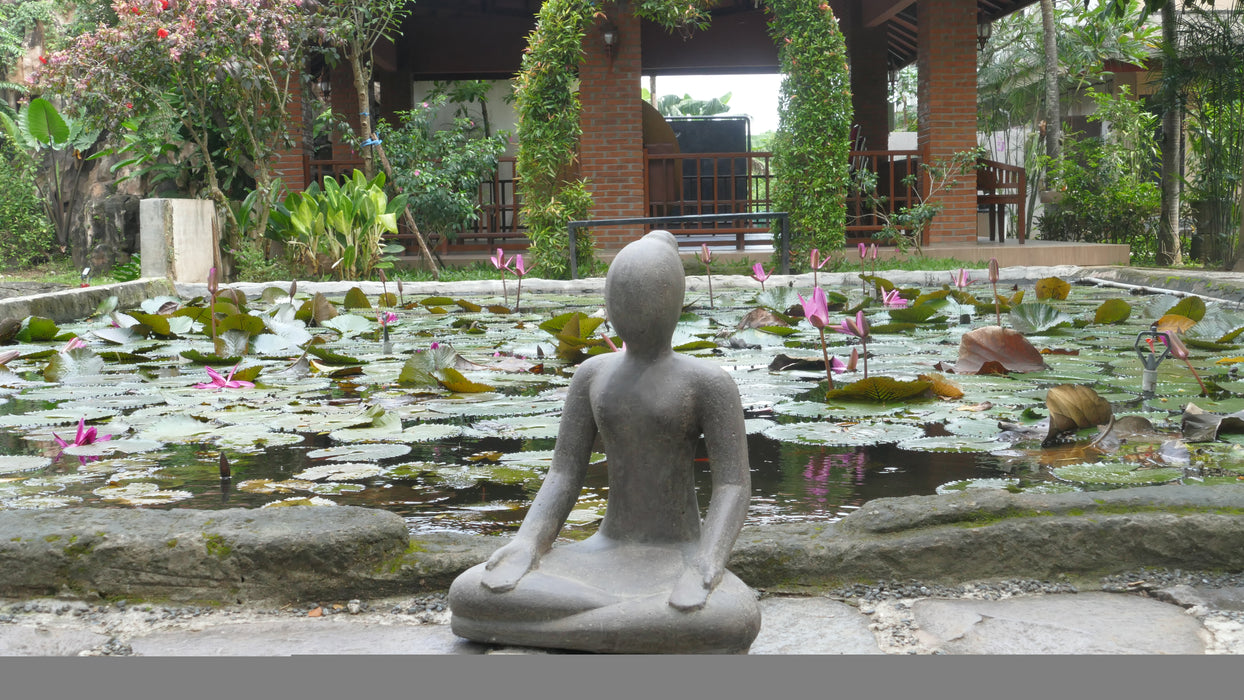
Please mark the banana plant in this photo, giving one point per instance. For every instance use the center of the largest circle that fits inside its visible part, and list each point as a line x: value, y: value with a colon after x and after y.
x: 43, y: 133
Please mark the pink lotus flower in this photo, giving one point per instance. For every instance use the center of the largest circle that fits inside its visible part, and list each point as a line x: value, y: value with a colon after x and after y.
x: 893, y: 300
x: 857, y: 326
x: 863, y: 251
x: 386, y: 318
x: 759, y: 274
x: 816, y: 309
x: 73, y: 344
x: 520, y: 269
x: 815, y: 259
x: 85, y: 436
x: 960, y: 280
x: 499, y: 261
x: 837, y: 366
x: 706, y: 257
x: 219, y: 382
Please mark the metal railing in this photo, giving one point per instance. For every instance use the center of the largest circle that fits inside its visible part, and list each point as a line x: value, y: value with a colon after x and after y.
x: 782, y: 217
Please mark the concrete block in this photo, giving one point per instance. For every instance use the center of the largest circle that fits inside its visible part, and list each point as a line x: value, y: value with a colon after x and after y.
x: 176, y: 238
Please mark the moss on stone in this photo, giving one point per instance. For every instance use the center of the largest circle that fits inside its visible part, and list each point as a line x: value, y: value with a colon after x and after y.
x: 217, y: 546
x: 51, y: 538
x: 171, y: 543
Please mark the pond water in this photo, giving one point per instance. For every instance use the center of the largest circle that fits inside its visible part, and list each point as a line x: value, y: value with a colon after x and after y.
x: 376, y: 424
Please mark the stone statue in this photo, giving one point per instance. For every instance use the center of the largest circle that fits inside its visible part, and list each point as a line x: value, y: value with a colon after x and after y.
x: 653, y: 578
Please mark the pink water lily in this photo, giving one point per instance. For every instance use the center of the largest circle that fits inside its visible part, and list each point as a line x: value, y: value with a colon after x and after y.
x: 863, y: 251
x: 706, y: 257
x: 85, y: 436
x: 814, y: 258
x: 499, y: 261
x: 520, y: 269
x: 857, y: 327
x: 816, y: 309
x: 893, y: 300
x: 73, y: 344
x: 386, y: 318
x: 759, y: 274
x: 219, y: 382
x: 960, y: 280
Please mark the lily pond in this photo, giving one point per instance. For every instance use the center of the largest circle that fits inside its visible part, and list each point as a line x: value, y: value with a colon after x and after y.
x: 444, y: 410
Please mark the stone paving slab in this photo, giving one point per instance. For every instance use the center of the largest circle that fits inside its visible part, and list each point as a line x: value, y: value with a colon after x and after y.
x: 308, y: 636
x: 812, y: 626
x: 18, y: 640
x: 1084, y: 623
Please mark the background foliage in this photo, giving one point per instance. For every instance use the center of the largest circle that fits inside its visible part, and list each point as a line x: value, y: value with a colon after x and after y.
x: 811, y: 148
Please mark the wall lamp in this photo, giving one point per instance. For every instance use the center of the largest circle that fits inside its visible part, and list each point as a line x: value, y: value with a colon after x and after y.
x: 984, y: 30
x: 609, y: 37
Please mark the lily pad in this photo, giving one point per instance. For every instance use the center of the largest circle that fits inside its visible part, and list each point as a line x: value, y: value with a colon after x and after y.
x: 843, y: 434
x: 365, y: 451
x: 300, y: 501
x: 950, y: 443
x: 340, y: 471
x: 140, y: 493
x: 1121, y: 473
x: 12, y: 464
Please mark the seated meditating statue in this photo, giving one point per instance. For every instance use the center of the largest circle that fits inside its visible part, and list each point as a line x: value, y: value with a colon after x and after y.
x: 653, y: 578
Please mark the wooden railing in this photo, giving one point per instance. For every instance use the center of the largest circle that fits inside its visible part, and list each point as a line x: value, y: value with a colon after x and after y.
x: 999, y: 185
x: 682, y: 184
x: 732, y: 184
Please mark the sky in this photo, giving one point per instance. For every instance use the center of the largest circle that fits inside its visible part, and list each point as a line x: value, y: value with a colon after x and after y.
x: 753, y: 95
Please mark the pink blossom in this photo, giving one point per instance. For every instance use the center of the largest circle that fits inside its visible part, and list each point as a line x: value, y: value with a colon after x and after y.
x: 857, y: 326
x: 759, y: 274
x: 85, y: 436
x: 816, y: 309
x: 893, y: 300
x: 219, y: 382
x: 73, y: 344
x: 499, y: 261
x: 386, y: 318
x: 960, y: 280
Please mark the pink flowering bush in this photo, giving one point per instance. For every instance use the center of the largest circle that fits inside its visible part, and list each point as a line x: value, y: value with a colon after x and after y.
x: 206, y: 82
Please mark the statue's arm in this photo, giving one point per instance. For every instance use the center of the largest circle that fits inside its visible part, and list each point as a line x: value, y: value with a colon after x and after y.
x: 558, y: 494
x: 725, y: 436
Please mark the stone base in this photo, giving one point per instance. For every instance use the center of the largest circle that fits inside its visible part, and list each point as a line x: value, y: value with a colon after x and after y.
x: 642, y: 624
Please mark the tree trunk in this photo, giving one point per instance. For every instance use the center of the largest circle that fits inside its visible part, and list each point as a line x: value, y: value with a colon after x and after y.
x: 362, y: 80
x: 1053, y: 124
x: 1172, y: 131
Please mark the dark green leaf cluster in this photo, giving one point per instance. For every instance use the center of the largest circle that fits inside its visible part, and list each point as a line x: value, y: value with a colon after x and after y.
x: 810, y: 150
x: 1107, y: 187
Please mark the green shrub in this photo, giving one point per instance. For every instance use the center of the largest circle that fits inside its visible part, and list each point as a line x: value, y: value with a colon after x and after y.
x: 26, y: 234
x: 1107, y: 183
x: 811, y: 149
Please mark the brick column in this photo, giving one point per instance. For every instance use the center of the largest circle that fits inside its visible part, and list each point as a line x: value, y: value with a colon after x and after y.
x: 946, y: 62
x: 866, y: 55
x: 611, y: 149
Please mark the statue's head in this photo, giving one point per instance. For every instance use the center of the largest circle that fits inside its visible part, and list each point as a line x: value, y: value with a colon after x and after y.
x: 644, y: 291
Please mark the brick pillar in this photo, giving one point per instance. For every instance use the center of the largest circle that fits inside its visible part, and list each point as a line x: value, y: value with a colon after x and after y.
x: 946, y: 62
x: 611, y: 149
x: 290, y: 162
x: 866, y: 55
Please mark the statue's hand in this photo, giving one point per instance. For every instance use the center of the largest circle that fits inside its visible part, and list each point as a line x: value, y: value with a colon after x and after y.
x: 691, y: 591
x: 506, y: 566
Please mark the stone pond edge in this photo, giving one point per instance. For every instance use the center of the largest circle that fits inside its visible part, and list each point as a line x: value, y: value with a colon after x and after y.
x: 294, y: 554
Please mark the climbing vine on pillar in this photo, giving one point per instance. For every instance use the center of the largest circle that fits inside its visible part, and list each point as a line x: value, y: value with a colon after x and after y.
x: 547, y: 103
x: 811, y: 147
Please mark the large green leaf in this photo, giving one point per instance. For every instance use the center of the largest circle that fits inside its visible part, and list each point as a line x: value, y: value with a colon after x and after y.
x: 1038, y: 318
x: 36, y: 329
x: 74, y: 364
x: 1112, y: 311
x: 881, y: 390
x: 45, y: 124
